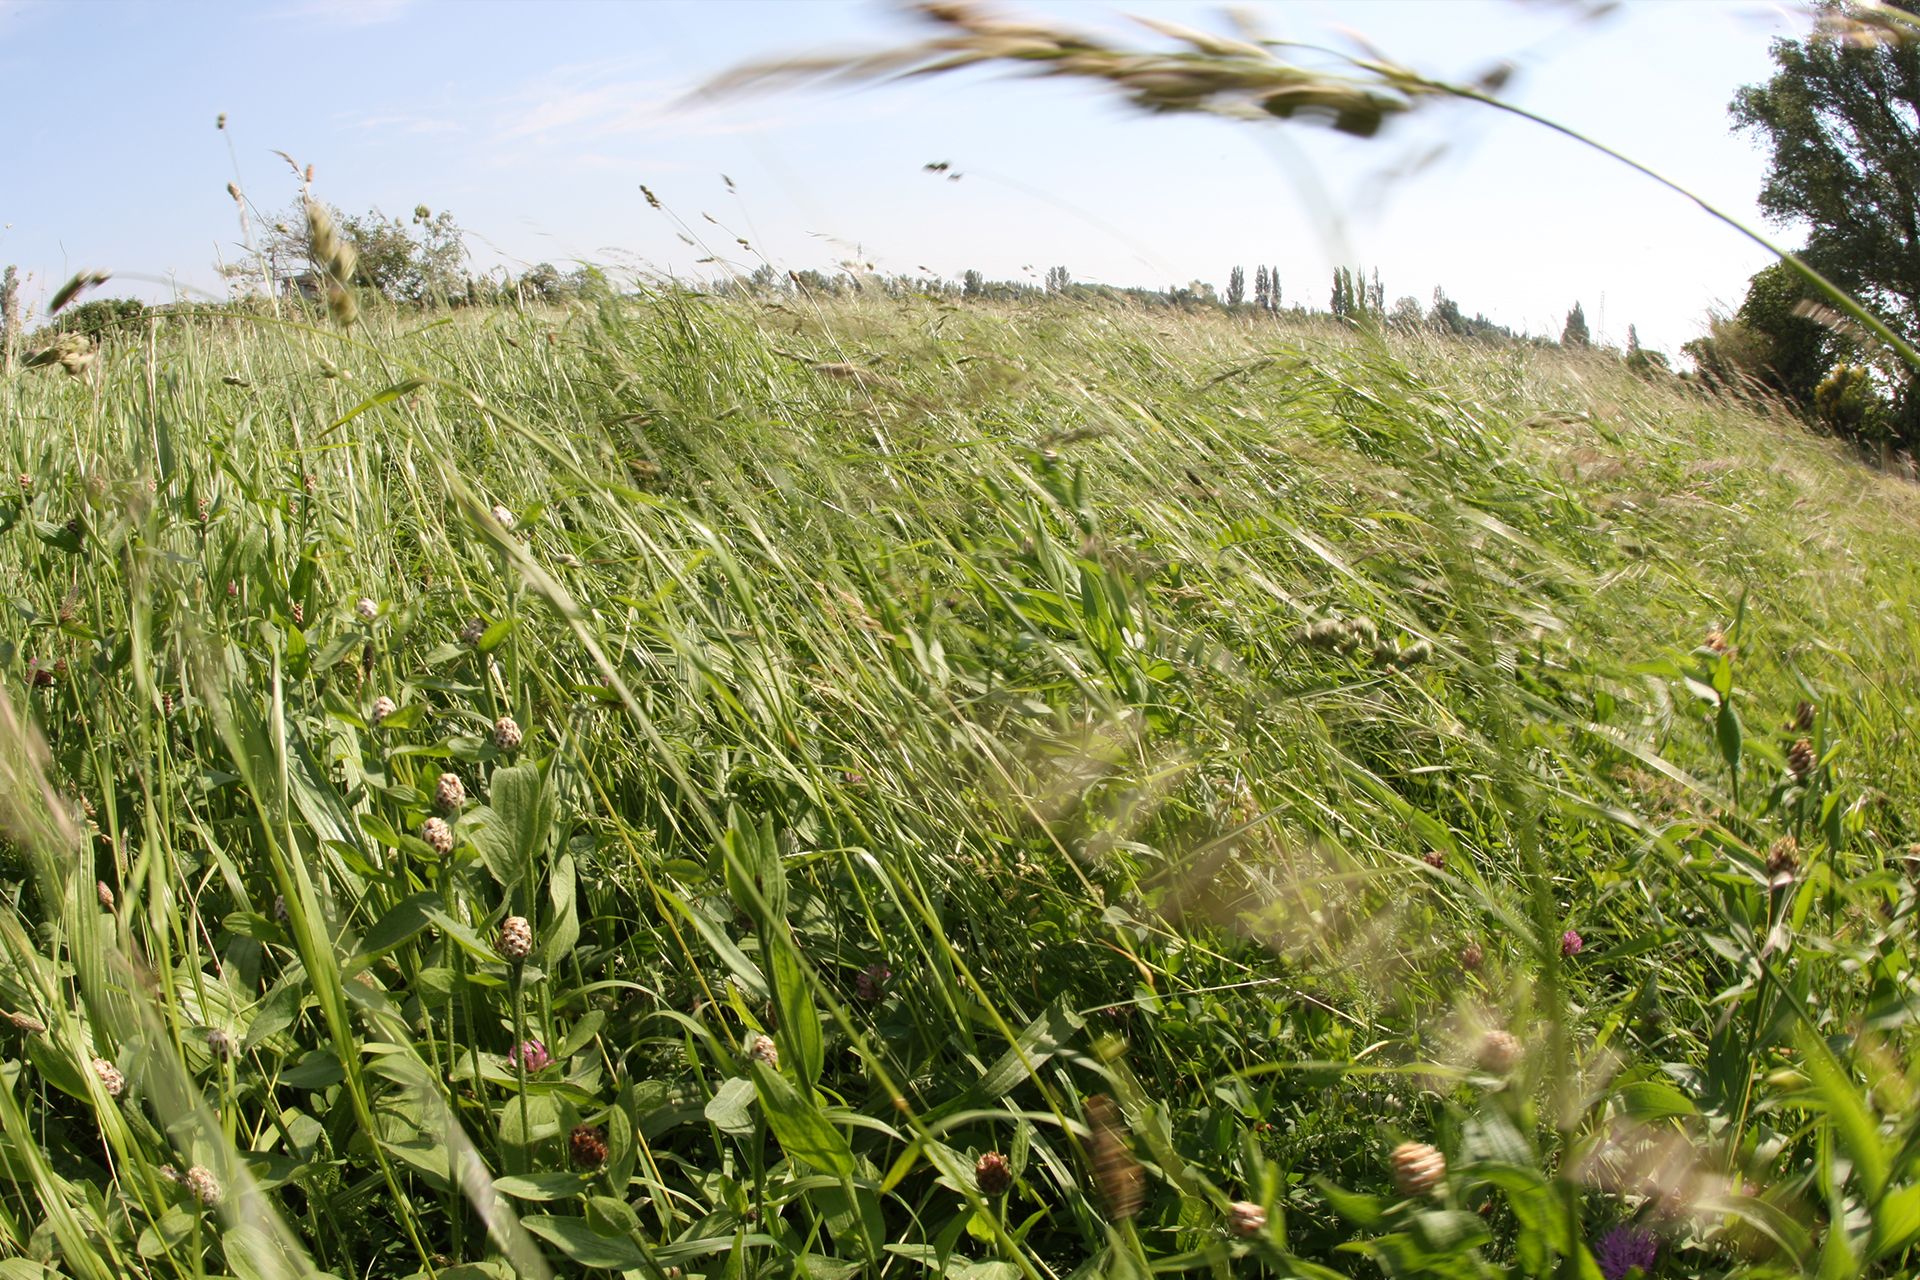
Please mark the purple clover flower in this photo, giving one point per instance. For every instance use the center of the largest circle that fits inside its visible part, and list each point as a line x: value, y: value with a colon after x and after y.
x: 1571, y: 943
x: 870, y: 983
x: 530, y: 1054
x: 1621, y: 1249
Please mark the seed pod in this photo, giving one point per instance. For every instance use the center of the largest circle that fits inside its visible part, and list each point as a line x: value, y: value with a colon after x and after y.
x: 506, y: 734
x: 1800, y: 759
x: 1783, y: 859
x: 110, y: 1078
x: 102, y: 891
x: 993, y: 1174
x: 1417, y: 1169
x: 449, y: 793
x: 27, y: 1022
x: 1245, y: 1218
x: 588, y: 1146
x: 367, y: 609
x: 1115, y: 1170
x: 516, y: 938
x: 205, y: 1187
x: 221, y: 1044
x: 1498, y: 1052
x: 763, y: 1049
x: 382, y: 708
x: 438, y: 835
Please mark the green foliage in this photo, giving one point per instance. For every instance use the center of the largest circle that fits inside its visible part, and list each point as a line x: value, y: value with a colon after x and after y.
x: 1574, y: 333
x: 1849, y: 404
x: 1037, y: 700
x: 1798, y: 350
x: 102, y: 319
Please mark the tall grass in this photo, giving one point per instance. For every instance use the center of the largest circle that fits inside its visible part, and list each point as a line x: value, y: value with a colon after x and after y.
x: 992, y: 707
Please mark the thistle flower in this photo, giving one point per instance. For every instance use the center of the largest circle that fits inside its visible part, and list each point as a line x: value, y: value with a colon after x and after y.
x: 221, y: 1044
x: 449, y: 793
x: 1245, y: 1218
x: 870, y: 983
x: 1471, y: 956
x: 993, y: 1174
x: 382, y: 708
x: 516, y: 938
x: 438, y: 835
x: 588, y: 1146
x: 1620, y: 1249
x: 27, y: 1022
x: 1417, y: 1169
x: 506, y: 734
x: 531, y: 1055
x: 1571, y: 943
x: 110, y: 1078
x: 1783, y: 859
x: 763, y: 1049
x: 1498, y: 1052
x: 1800, y: 759
x: 205, y: 1187
x: 102, y: 891
x: 367, y: 609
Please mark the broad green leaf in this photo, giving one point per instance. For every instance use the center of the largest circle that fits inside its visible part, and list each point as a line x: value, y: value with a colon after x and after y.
x: 1852, y: 1119
x: 584, y: 1245
x: 729, y: 1107
x: 543, y: 1186
x: 800, y: 1125
x: 402, y: 921
x: 1654, y: 1100
x: 799, y: 1021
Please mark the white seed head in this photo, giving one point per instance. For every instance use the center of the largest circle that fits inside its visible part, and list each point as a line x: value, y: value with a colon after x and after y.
x: 382, y: 708
x: 367, y: 609
x: 110, y: 1078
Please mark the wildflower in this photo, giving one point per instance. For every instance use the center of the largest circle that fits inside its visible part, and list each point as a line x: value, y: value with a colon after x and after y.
x: 1621, y: 1249
x: 102, y: 891
x: 1783, y: 859
x: 506, y: 734
x: 993, y: 1174
x: 1435, y: 859
x: 1246, y: 1218
x: 516, y: 938
x: 1571, y: 943
x: 170, y: 1173
x: 1498, y: 1052
x: 306, y: 484
x: 299, y: 614
x: 588, y: 1147
x: 1802, y: 720
x: 1417, y: 1169
x: 763, y: 1049
x: 438, y: 835
x: 1472, y: 956
x: 27, y: 1022
x: 221, y: 1044
x: 504, y: 516
x: 280, y: 908
x: 40, y: 676
x: 367, y: 609
x: 26, y: 483
x: 871, y: 982
x: 449, y: 793
x: 1717, y: 641
x: 471, y: 633
x: 110, y: 1078
x: 382, y: 708
x: 233, y: 589
x: 206, y: 511
x: 205, y: 1187
x: 530, y: 1054
x: 1800, y: 759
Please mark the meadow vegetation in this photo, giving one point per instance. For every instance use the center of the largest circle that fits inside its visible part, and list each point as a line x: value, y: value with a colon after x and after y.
x: 786, y: 785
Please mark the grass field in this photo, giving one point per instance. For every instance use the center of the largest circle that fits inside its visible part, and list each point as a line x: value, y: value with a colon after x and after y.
x: 782, y: 786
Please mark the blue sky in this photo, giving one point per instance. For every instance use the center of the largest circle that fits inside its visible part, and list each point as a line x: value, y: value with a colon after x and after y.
x: 536, y: 124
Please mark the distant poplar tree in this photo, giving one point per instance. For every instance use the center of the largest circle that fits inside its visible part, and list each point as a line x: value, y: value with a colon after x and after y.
x: 1273, y: 288
x: 1260, y: 287
x: 1058, y: 278
x: 1575, y: 334
x: 973, y: 284
x: 1237, y: 286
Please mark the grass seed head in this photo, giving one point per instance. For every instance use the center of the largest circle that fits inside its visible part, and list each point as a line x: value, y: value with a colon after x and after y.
x: 27, y: 1022
x: 299, y: 614
x: 1115, y: 1171
x: 993, y: 1174
x: 1417, y: 1169
x: 1802, y: 719
x: 104, y: 892
x: 438, y: 835
x: 516, y: 938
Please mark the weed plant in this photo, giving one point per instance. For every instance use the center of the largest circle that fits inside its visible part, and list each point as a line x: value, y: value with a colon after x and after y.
x: 764, y: 787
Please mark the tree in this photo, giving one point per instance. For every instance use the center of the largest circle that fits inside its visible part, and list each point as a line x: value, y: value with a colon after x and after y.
x: 1058, y: 278
x: 1260, y: 287
x: 1575, y: 333
x: 1797, y: 351
x: 1445, y: 316
x: 419, y: 265
x: 1236, y: 286
x: 973, y: 284
x: 1273, y: 288
x: 1839, y: 119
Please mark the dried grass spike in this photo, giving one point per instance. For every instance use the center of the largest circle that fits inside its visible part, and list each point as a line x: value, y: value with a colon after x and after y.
x: 1115, y: 1171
